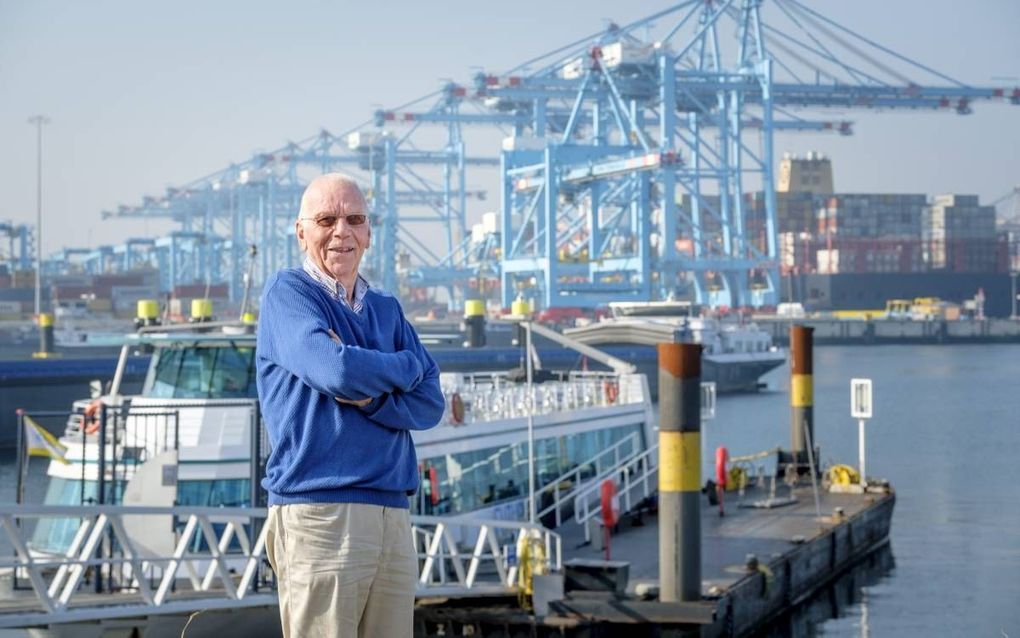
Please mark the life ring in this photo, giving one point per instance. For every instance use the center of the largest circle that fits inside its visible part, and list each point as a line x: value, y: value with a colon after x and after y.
x: 456, y: 409
x: 611, y: 390
x: 90, y: 417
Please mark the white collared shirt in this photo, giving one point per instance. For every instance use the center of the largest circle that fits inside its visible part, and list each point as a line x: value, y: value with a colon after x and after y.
x: 336, y: 289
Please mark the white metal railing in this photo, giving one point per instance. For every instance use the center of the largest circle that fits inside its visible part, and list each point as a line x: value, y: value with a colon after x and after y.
x: 489, y: 396
x: 57, y: 579
x: 457, y: 555
x: 491, y: 563
x: 636, y: 478
x: 645, y: 464
x: 603, y: 462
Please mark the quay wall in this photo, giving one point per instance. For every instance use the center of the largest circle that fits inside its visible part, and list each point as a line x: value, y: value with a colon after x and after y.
x: 758, y: 599
x: 896, y: 331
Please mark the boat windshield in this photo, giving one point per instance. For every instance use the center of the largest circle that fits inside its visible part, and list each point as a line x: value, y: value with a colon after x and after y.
x: 201, y: 372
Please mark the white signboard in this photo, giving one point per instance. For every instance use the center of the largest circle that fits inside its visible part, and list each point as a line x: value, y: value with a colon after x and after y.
x: 860, y: 398
x: 707, y: 400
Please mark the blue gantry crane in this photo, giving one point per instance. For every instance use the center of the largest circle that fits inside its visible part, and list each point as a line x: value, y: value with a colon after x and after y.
x: 626, y: 169
x: 19, y: 253
x: 627, y: 173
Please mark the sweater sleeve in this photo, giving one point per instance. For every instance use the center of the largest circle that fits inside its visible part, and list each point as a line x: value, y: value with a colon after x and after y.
x: 419, y: 408
x: 293, y: 333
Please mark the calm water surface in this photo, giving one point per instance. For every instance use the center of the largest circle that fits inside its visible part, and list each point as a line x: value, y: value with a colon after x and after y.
x: 946, y: 432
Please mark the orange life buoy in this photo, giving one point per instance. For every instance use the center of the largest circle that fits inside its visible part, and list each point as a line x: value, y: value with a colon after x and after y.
x: 434, y: 484
x: 610, y: 503
x: 90, y: 418
x: 612, y: 391
x: 456, y: 409
x: 722, y: 456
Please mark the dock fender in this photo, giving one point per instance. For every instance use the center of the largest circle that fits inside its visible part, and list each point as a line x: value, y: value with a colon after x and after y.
x: 767, y: 578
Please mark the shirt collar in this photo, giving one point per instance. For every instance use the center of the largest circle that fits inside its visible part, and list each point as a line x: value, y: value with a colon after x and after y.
x: 336, y: 289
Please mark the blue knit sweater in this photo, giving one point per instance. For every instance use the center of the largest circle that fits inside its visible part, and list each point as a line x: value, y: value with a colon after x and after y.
x: 324, y: 451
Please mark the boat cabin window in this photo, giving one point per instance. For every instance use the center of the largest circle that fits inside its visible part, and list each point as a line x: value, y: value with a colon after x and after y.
x: 461, y: 482
x: 192, y: 372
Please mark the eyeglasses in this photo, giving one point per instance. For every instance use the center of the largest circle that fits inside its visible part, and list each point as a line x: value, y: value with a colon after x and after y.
x: 330, y: 221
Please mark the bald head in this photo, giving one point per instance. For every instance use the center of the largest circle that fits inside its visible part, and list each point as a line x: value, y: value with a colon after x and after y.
x: 325, y: 192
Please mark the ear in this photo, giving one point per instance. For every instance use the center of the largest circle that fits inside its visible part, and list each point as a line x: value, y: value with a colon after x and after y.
x: 299, y: 230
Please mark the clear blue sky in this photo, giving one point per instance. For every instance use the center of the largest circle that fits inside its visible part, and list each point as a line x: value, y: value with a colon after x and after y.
x: 145, y: 95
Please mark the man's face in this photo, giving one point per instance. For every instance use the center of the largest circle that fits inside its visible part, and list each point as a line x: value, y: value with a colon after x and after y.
x: 334, y: 248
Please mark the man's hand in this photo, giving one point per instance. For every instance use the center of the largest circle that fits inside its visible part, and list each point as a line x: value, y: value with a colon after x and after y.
x: 358, y: 403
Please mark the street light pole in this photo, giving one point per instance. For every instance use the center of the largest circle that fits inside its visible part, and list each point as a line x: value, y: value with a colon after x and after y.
x: 1012, y: 289
x: 38, y: 121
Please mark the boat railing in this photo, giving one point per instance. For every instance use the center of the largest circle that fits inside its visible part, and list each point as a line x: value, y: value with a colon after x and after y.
x: 133, y: 432
x: 217, y: 560
x: 478, y: 397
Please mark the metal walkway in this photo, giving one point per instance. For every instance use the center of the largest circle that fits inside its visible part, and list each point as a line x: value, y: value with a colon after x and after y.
x: 218, y: 561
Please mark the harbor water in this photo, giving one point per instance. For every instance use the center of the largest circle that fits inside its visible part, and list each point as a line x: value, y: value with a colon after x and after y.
x: 945, y: 432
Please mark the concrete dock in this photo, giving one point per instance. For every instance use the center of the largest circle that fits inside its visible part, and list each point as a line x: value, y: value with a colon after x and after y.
x: 797, y: 552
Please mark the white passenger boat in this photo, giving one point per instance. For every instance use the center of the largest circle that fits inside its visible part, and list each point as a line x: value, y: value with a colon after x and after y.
x: 192, y: 436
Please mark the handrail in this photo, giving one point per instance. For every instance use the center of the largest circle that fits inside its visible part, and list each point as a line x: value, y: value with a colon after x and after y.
x: 635, y: 473
x: 560, y: 496
x: 220, y: 551
x: 618, y: 365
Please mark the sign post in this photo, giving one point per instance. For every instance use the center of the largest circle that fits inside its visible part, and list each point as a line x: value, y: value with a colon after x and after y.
x: 860, y: 409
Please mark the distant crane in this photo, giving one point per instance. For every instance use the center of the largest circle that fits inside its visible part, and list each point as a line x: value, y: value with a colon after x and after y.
x: 19, y: 246
x: 628, y: 167
x: 1009, y: 216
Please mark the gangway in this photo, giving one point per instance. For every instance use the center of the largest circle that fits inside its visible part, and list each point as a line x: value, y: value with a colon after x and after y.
x: 575, y: 493
x: 218, y: 561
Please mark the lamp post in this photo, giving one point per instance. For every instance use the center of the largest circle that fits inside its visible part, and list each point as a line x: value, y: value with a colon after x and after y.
x: 1012, y: 290
x: 38, y: 121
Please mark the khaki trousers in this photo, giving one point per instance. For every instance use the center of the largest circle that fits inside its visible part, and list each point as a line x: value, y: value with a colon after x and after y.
x: 344, y: 570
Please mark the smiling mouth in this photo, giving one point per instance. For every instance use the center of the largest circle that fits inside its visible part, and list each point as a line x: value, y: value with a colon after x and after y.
x: 342, y: 251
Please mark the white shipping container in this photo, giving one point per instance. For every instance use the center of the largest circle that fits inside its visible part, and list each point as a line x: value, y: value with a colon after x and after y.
x: 478, y: 233
x: 490, y: 222
x: 619, y: 53
x: 573, y: 69
x: 363, y: 140
x: 828, y: 261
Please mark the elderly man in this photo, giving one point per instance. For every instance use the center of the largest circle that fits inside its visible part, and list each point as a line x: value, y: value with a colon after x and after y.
x: 342, y: 380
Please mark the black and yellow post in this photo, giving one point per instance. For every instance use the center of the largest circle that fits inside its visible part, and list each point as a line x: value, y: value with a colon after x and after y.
x: 679, y: 472
x: 474, y: 322
x: 802, y: 392
x: 520, y: 311
x: 147, y: 313
x: 201, y: 311
x: 45, y: 321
